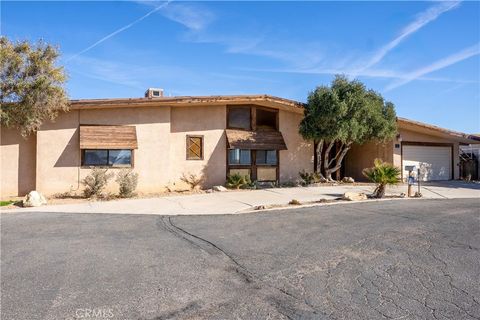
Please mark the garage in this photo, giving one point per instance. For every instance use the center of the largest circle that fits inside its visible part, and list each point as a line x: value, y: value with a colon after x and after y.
x: 434, y: 161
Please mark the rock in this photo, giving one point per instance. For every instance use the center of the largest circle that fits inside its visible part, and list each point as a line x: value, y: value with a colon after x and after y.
x: 34, y: 199
x: 209, y: 191
x: 418, y: 195
x: 402, y: 195
x: 259, y: 207
x: 354, y: 196
x: 219, y: 188
x: 348, y: 180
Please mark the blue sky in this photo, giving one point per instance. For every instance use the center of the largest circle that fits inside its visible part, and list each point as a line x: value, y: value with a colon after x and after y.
x: 422, y: 56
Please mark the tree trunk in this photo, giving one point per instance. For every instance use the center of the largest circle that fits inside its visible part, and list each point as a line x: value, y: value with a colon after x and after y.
x: 380, y: 191
x: 318, y: 152
x: 338, y: 161
x: 326, y: 160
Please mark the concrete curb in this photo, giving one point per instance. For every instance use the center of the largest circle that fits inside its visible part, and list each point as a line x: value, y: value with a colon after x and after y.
x: 319, y: 204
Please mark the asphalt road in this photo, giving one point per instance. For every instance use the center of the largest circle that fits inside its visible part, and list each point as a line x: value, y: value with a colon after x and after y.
x: 417, y: 259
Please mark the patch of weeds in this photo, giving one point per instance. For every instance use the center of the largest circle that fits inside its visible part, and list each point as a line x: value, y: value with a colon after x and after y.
x: 6, y: 203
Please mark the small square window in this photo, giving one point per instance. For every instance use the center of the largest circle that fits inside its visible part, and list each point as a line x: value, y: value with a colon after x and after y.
x: 194, y: 147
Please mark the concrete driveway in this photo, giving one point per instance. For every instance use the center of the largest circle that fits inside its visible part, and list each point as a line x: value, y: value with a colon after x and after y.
x: 241, y: 201
x: 394, y: 260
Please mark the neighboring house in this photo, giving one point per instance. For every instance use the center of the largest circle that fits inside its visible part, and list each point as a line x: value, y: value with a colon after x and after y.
x: 162, y: 138
x: 433, y: 150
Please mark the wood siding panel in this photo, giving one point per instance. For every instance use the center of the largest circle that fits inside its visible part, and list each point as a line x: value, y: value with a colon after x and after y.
x: 108, y: 137
x: 255, y: 140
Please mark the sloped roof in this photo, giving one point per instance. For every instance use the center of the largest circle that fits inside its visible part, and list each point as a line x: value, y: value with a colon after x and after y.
x: 265, y: 100
x: 437, y: 131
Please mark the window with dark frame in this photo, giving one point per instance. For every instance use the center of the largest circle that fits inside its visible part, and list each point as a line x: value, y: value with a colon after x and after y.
x: 266, y: 119
x: 239, y: 118
x: 266, y: 157
x: 107, y: 157
x: 194, y: 147
x: 239, y: 157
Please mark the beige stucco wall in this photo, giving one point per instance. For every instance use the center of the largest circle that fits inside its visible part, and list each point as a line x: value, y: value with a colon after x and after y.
x: 17, y: 163
x: 299, y: 155
x: 59, y: 157
x: 206, y: 121
x: 362, y: 156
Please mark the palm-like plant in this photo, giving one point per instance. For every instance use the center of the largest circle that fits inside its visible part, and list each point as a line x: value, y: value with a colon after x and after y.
x: 383, y: 174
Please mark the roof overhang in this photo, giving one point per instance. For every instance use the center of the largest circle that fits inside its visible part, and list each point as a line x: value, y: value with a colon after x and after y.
x: 432, y: 130
x: 261, y: 100
x: 108, y: 137
x: 255, y: 140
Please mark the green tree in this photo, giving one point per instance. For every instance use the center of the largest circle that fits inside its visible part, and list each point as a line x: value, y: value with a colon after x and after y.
x: 31, y: 85
x: 342, y: 114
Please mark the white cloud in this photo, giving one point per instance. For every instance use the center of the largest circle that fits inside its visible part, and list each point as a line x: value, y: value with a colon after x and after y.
x: 422, y: 20
x: 192, y: 17
x: 108, y: 36
x: 437, y: 65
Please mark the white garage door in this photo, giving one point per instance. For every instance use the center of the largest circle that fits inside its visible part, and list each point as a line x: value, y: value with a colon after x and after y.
x: 434, y: 161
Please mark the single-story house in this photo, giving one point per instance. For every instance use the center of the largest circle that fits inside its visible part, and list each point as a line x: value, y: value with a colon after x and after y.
x: 163, y: 138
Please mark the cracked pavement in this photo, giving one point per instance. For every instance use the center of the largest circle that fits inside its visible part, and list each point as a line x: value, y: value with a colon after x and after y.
x: 378, y: 260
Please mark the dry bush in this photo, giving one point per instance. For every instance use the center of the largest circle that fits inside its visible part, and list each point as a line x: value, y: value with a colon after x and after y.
x: 95, y: 182
x: 128, y: 181
x: 193, y: 180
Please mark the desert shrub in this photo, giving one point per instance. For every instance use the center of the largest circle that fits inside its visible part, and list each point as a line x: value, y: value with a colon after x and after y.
x: 237, y: 181
x: 310, y: 177
x: 127, y: 181
x: 382, y: 174
x: 294, y: 202
x: 193, y: 180
x: 95, y: 182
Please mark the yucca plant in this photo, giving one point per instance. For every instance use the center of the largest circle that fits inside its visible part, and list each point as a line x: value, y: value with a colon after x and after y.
x: 383, y: 174
x: 237, y: 181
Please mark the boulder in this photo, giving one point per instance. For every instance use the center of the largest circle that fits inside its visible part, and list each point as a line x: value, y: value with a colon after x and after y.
x: 219, y: 188
x: 354, y: 196
x: 348, y: 180
x: 34, y: 199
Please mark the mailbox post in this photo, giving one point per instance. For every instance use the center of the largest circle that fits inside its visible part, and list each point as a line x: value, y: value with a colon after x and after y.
x: 410, y: 179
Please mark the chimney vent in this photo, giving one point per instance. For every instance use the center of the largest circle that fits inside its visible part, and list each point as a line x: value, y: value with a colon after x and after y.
x: 154, y: 93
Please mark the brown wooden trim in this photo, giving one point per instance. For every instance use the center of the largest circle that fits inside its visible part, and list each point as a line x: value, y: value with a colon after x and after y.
x: 108, y: 137
x: 188, y: 136
x: 253, y: 118
x: 429, y: 144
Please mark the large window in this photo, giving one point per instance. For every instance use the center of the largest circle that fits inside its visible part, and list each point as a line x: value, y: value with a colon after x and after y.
x: 266, y: 157
x: 107, y: 158
x: 266, y: 120
x: 239, y: 118
x: 239, y: 157
x: 194, y: 147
